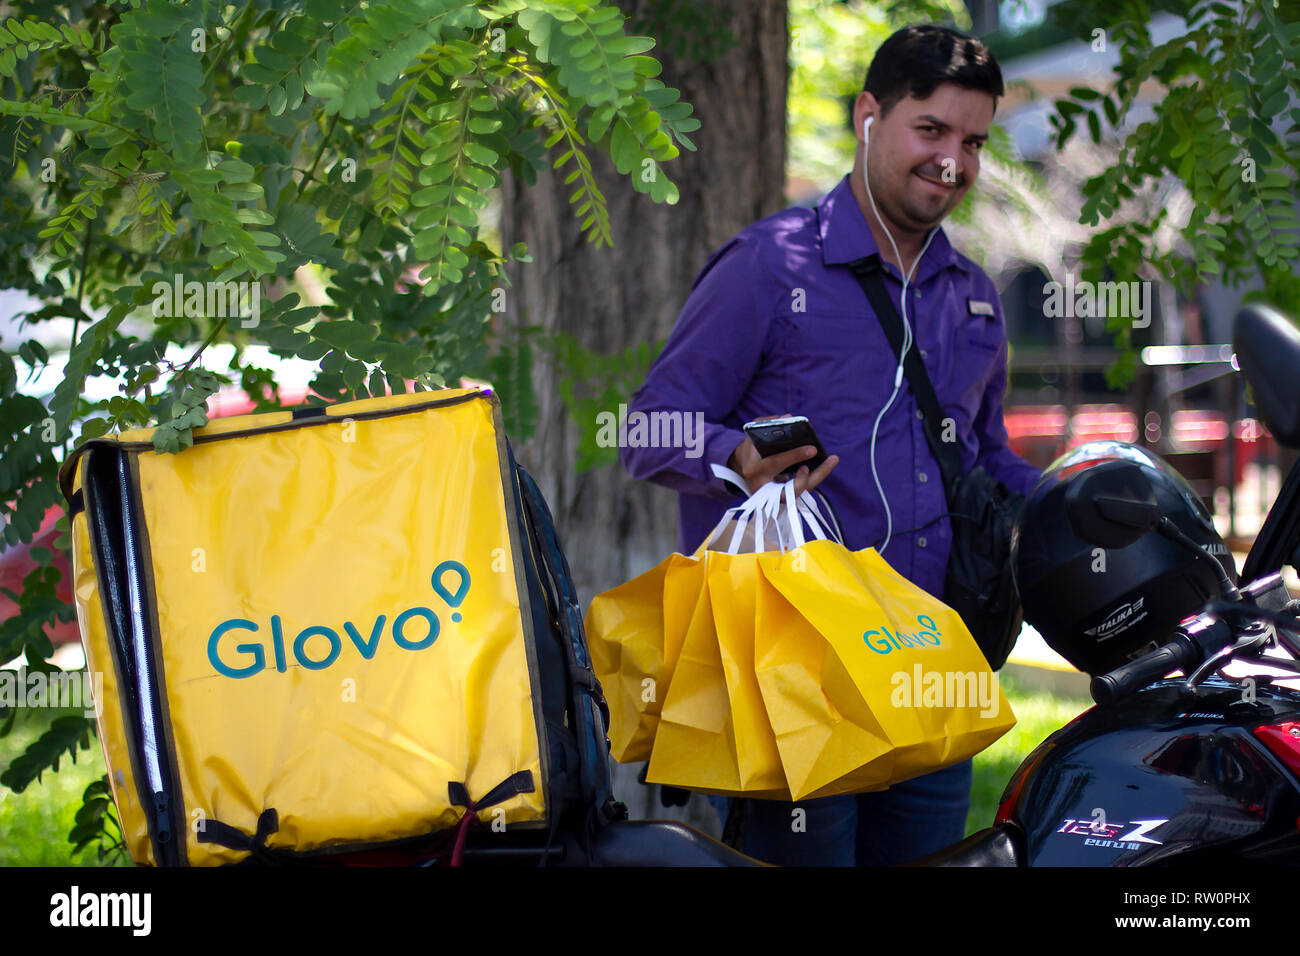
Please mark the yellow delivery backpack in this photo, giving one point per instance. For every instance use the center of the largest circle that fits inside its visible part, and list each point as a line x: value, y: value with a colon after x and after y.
x: 332, y: 629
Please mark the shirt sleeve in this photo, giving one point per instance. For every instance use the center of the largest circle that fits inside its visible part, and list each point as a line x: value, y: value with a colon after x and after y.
x: 991, y: 430
x: 702, y: 373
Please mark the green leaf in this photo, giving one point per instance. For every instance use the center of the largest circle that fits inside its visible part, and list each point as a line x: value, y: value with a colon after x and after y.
x: 276, y: 98
x: 66, y: 735
x: 94, y: 428
x: 481, y: 154
x: 1094, y: 127
x: 481, y: 126
x: 1275, y: 105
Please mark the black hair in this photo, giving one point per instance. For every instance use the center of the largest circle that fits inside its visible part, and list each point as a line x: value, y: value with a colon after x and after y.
x: 916, y: 59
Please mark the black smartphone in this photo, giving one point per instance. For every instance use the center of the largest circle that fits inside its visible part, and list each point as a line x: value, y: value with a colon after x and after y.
x: 776, y: 435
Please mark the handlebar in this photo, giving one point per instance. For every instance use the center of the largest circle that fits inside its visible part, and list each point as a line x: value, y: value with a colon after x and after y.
x: 1127, y: 678
x: 1223, y: 628
x: 1188, y: 648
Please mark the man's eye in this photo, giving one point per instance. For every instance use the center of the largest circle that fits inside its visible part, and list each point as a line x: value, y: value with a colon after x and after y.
x: 977, y: 143
x: 929, y: 129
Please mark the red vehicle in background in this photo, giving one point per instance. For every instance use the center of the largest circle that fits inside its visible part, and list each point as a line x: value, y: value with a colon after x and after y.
x: 1041, y: 433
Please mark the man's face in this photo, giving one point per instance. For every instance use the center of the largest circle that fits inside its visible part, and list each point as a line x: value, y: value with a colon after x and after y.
x: 925, y: 154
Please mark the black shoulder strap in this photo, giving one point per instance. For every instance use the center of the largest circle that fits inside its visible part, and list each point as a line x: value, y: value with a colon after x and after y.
x: 868, y: 271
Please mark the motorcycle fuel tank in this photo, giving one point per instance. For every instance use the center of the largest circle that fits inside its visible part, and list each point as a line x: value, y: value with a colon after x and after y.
x: 1167, y: 775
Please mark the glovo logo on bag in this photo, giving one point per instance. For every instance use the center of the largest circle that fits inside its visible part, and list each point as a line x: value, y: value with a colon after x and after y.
x: 422, y: 622
x: 883, y: 641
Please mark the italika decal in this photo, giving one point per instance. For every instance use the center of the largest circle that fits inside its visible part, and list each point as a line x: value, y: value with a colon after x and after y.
x: 412, y: 629
x: 1132, y: 835
x: 1119, y: 620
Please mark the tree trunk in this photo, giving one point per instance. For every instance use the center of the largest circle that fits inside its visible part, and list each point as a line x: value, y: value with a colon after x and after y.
x: 614, y: 528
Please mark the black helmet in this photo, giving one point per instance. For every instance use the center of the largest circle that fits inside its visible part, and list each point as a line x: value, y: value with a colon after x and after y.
x: 1099, y: 608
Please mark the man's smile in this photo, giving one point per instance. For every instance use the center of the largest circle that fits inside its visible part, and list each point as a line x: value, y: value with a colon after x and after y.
x: 935, y: 181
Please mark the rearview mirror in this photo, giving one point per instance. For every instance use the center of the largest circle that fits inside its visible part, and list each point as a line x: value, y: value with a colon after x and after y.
x: 1111, y: 505
x: 1268, y: 351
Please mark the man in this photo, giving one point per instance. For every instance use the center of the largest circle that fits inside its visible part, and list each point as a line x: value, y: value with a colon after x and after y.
x: 777, y: 323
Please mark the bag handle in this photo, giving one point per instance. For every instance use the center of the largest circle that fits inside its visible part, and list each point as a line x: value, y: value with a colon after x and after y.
x: 761, y: 506
x: 773, y: 506
x: 819, y: 525
x: 753, y: 507
x: 780, y: 512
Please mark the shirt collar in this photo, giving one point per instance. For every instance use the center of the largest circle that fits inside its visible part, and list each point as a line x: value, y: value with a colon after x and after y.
x: 845, y: 236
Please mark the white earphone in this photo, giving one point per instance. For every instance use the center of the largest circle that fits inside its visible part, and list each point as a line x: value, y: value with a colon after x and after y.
x: 907, y: 330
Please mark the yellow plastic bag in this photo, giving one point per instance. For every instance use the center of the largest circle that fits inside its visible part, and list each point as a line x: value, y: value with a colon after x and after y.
x: 822, y: 727
x: 695, y: 745
x: 714, y: 734
x: 904, y: 688
x: 733, y: 581
x: 635, y: 633
x: 694, y: 721
x: 804, y: 672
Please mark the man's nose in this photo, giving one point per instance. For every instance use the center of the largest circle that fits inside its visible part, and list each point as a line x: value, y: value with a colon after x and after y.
x: 956, y: 164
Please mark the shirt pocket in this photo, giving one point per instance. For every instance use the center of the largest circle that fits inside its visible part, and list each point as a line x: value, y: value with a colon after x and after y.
x: 983, y: 335
x: 973, y: 370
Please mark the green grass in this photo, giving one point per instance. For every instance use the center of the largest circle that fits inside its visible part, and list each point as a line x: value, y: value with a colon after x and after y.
x: 1038, y: 714
x: 34, y: 824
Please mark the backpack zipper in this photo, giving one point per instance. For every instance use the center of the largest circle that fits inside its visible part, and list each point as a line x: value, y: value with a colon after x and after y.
x: 142, y: 656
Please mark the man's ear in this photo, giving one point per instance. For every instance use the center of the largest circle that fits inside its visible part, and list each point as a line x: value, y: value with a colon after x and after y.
x: 863, y: 107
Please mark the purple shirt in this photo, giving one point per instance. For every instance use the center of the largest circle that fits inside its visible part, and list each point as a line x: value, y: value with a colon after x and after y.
x: 777, y: 322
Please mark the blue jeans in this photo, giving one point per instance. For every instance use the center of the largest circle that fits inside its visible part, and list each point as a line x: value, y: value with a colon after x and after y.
x: 891, y: 826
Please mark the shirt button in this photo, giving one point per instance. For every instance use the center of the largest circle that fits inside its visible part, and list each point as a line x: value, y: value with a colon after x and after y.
x: 924, y: 353
x: 920, y: 414
x: 922, y: 477
x: 920, y: 542
x: 918, y: 293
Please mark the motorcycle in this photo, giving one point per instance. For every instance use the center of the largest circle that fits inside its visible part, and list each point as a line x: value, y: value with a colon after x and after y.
x: 1195, y: 769
x: 1198, y: 769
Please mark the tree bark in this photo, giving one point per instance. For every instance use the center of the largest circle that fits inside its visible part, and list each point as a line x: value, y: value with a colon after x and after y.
x: 612, y: 527
x: 611, y: 298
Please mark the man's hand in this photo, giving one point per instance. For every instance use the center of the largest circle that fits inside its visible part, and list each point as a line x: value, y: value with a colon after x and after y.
x: 758, y: 471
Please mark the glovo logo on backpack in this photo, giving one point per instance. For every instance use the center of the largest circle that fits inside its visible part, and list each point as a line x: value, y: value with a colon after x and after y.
x: 254, y: 654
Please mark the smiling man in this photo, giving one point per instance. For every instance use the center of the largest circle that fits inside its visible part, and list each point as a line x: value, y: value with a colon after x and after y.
x: 777, y: 323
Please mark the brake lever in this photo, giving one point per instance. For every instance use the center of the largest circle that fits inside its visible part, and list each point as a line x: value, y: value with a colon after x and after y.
x: 1253, y: 642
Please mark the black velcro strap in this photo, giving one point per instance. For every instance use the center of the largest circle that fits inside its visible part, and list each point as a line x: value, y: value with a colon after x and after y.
x: 308, y: 411
x: 76, y: 504
x: 584, y: 677
x: 516, y: 783
x: 232, y: 838
x: 868, y: 271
